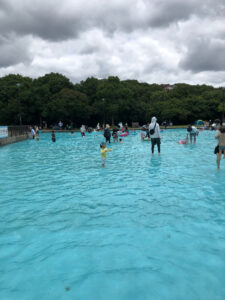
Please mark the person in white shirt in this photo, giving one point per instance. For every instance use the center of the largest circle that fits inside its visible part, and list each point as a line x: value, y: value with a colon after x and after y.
x: 32, y: 133
x: 82, y: 130
x: 193, y: 132
x: 60, y: 125
x: 154, y: 131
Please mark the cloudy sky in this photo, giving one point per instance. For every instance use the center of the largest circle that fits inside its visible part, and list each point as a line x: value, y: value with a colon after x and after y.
x: 154, y: 41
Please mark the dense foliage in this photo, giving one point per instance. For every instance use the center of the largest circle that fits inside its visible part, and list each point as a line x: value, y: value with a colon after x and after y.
x: 53, y: 97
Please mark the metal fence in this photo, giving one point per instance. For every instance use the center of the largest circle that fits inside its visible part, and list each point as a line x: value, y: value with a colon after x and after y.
x: 18, y: 130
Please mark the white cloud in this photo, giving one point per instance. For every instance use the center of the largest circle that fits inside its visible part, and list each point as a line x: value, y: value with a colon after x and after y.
x: 158, y: 41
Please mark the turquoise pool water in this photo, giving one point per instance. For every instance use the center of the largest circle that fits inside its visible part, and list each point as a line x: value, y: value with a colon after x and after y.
x: 142, y: 228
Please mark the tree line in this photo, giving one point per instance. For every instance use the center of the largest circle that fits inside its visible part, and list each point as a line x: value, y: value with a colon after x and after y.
x: 54, y: 97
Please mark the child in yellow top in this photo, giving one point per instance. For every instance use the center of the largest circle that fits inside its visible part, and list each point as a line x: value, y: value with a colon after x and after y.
x: 103, y: 151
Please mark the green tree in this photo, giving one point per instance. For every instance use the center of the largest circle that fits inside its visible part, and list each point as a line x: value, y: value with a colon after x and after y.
x: 69, y: 106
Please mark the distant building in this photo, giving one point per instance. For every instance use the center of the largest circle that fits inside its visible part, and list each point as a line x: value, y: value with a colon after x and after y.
x: 168, y: 87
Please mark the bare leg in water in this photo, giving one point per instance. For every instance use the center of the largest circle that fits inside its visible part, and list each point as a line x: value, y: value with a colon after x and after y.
x: 218, y: 159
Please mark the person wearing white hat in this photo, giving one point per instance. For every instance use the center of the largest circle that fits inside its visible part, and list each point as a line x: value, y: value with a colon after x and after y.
x: 154, y: 131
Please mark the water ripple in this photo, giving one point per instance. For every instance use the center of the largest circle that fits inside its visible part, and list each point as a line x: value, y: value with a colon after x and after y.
x: 120, y: 232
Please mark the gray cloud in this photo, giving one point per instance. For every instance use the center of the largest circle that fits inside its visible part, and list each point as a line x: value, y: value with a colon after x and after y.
x: 45, y: 21
x: 168, y: 12
x: 61, y: 20
x: 153, y: 41
x: 205, y: 55
x: 13, y: 51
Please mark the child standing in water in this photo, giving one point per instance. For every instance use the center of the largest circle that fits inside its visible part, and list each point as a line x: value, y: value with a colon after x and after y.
x: 103, y: 151
x: 53, y: 136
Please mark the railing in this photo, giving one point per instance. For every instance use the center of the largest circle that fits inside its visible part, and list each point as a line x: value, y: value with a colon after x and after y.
x: 17, y: 130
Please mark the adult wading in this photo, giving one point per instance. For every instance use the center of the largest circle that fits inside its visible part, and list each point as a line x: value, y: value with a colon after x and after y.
x: 154, y: 131
x: 107, y: 133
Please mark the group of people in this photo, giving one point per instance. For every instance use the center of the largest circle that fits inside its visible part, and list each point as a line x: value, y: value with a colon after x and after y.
x: 220, y: 136
x: 209, y: 125
x: 34, y: 134
x: 153, y: 130
x: 167, y: 123
x: 152, y: 134
x: 115, y: 134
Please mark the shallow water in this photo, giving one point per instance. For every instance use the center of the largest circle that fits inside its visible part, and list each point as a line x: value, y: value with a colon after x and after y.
x: 143, y: 227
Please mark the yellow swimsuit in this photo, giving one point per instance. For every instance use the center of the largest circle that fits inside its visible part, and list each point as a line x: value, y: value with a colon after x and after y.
x: 103, y: 152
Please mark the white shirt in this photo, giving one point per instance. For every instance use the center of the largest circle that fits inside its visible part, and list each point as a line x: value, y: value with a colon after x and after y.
x: 82, y: 129
x: 194, y: 129
x: 157, y: 131
x: 217, y: 134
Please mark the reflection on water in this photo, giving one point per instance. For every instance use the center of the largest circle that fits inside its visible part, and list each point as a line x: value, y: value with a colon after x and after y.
x: 156, y: 161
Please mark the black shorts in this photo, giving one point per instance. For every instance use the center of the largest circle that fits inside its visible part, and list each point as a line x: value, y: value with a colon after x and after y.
x: 155, y: 141
x: 217, y: 150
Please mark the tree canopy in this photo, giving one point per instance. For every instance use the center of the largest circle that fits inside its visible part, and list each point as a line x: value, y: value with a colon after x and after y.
x: 53, y: 97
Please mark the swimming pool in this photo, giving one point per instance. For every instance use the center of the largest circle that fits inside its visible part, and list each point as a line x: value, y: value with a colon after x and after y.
x: 143, y: 227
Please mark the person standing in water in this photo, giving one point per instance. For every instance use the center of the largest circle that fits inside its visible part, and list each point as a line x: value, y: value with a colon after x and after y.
x: 32, y: 133
x: 82, y: 130
x: 53, y: 136
x: 193, y: 132
x: 107, y: 133
x: 103, y: 151
x: 221, y: 138
x: 37, y: 136
x: 154, y: 131
x: 147, y: 131
x: 115, y: 135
